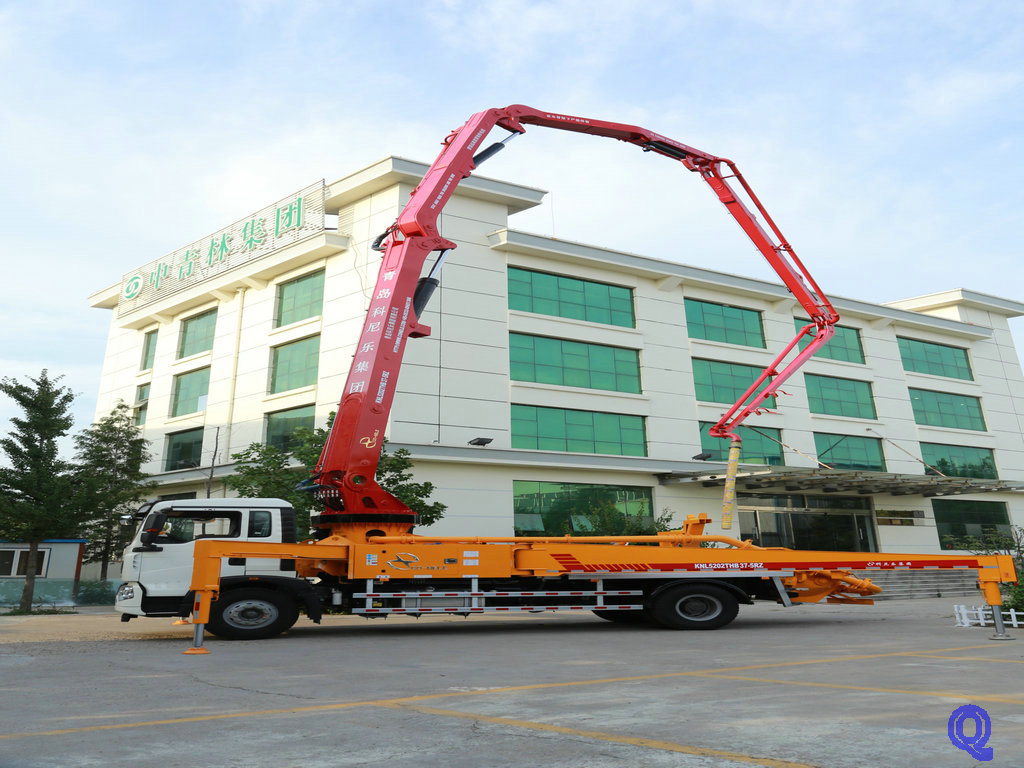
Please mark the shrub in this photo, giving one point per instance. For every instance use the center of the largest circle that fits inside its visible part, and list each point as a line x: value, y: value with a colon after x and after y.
x: 96, y: 592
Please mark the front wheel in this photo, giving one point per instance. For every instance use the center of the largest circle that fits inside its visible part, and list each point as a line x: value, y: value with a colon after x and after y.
x: 252, y: 614
x: 694, y: 607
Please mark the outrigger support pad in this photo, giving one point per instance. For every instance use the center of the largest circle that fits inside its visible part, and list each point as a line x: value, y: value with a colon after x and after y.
x: 197, y: 641
x: 997, y: 618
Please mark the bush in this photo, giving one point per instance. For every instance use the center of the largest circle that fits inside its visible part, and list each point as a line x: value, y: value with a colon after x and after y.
x: 96, y: 592
x: 1013, y: 597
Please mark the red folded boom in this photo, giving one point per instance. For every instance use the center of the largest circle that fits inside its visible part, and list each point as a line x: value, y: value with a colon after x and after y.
x: 345, y: 472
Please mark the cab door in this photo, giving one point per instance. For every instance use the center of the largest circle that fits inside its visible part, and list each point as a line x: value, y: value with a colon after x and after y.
x: 167, y: 571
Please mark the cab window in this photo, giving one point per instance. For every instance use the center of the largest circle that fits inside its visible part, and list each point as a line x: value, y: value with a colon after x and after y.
x: 183, y: 526
x: 259, y: 524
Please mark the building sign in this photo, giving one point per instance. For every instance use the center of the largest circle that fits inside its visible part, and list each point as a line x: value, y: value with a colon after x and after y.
x: 281, y: 224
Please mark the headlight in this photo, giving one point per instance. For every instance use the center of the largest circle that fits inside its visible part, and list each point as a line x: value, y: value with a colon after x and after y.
x: 126, y: 591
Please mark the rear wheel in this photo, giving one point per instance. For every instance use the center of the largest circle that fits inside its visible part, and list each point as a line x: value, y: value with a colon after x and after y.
x: 622, y: 617
x: 694, y: 607
x: 252, y: 614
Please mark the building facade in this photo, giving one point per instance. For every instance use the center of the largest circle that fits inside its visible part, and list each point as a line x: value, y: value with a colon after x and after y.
x: 562, y: 377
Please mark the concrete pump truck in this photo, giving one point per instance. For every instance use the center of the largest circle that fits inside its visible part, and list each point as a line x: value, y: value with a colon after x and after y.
x: 253, y: 580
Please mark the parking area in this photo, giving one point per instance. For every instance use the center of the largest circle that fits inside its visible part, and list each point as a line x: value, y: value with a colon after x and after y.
x: 828, y: 686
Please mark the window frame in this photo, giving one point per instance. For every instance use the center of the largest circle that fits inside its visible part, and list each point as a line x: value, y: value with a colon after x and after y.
x: 587, y: 375
x: 920, y: 412
x: 908, y: 346
x: 856, y: 439
x: 276, y: 387
x: 268, y: 417
x: 574, y: 430
x: 829, y: 350
x: 201, y: 399
x: 934, y: 460
x: 149, y: 350
x: 714, y: 381
x: 280, y: 299
x: 19, y: 563
x: 170, y: 438
x: 206, y: 339
x: 561, y: 289
x: 728, y: 314
x: 817, y: 377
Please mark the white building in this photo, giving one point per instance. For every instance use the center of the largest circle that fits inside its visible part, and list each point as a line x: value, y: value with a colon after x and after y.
x: 594, y: 374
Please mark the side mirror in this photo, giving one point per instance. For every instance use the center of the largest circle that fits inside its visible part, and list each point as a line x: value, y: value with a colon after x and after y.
x: 152, y: 527
x: 126, y: 520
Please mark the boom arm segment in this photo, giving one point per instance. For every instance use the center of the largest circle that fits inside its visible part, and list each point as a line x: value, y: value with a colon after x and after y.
x: 347, y: 465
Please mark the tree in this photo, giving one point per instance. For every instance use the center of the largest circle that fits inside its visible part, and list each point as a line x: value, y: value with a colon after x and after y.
x: 38, y: 491
x: 110, y: 455
x: 265, y: 471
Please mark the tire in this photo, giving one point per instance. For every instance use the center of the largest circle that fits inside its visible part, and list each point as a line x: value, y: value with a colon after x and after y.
x: 687, y: 606
x: 622, y: 617
x: 252, y: 614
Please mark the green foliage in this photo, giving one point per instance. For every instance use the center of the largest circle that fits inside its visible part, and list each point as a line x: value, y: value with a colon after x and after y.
x: 39, y: 496
x: 96, y: 593
x: 110, y: 455
x: 265, y: 471
x: 991, y: 542
x: 1013, y: 595
x: 594, y: 512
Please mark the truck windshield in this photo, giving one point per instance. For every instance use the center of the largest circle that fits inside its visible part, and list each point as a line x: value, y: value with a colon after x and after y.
x: 182, y: 527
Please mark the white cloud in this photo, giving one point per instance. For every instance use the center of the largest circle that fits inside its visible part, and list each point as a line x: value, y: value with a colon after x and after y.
x: 952, y: 95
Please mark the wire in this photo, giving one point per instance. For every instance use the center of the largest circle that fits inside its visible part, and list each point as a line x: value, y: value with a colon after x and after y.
x: 784, y: 445
x: 915, y: 458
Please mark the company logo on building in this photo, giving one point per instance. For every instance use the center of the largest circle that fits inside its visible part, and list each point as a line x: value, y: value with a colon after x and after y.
x: 281, y: 224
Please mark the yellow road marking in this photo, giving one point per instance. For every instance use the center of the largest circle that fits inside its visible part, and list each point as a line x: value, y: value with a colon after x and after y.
x: 968, y: 658
x: 940, y: 694
x: 529, y: 687
x: 634, y: 741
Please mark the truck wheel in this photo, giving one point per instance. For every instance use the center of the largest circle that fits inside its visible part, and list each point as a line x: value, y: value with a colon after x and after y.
x: 622, y: 617
x: 252, y: 614
x: 694, y: 607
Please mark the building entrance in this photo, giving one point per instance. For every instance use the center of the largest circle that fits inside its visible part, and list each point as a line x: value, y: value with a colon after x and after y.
x: 796, y: 521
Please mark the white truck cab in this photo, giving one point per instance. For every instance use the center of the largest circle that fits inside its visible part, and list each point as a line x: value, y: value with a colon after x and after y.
x: 157, y: 565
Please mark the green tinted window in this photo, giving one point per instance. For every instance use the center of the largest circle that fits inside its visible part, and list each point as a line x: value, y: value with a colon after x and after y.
x: 148, y: 351
x: 190, y: 390
x: 300, y: 298
x: 936, y: 359
x: 719, y: 322
x: 945, y: 409
x: 197, y: 334
x: 844, y: 344
x: 958, y: 518
x: 556, y: 509
x: 141, y: 404
x: 570, y: 297
x: 559, y: 429
x: 849, y: 451
x: 718, y: 382
x: 281, y: 426
x: 839, y: 397
x: 295, y: 365
x: 184, y: 450
x: 762, y: 446
x: 959, y: 460
x: 573, y: 363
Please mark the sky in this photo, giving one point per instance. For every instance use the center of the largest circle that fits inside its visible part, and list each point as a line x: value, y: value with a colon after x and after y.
x: 884, y: 138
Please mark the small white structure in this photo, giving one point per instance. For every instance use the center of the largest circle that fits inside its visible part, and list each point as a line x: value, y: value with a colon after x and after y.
x: 57, y: 573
